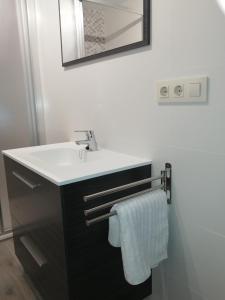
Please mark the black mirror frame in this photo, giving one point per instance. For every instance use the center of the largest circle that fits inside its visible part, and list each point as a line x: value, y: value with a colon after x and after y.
x: 146, y: 39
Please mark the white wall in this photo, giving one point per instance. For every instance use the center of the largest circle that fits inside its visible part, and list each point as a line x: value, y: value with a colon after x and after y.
x: 116, y: 97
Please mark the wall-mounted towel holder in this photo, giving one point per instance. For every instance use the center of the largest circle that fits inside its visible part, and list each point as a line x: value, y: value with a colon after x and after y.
x: 165, y: 177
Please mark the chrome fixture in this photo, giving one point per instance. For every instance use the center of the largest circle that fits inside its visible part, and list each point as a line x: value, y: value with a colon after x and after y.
x: 165, y: 177
x: 90, y: 141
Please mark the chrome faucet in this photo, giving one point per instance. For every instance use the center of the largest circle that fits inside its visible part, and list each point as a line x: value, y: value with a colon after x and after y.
x: 90, y: 141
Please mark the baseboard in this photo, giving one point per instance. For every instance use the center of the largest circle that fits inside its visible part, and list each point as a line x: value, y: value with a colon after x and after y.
x: 6, y: 235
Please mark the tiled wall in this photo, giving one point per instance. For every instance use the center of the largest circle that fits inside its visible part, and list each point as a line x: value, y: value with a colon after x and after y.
x: 115, y: 96
x: 94, y: 28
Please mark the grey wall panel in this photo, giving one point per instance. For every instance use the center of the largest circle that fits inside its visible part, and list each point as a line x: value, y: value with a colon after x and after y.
x: 16, y: 129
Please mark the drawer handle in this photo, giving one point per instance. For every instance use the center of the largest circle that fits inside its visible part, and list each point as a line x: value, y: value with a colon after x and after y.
x: 25, y: 181
x: 34, y: 251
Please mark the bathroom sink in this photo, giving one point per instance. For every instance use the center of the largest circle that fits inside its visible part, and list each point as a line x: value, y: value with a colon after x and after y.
x: 62, y: 163
x: 61, y: 157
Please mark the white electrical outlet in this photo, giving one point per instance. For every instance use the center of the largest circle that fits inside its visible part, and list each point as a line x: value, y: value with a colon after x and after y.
x: 178, y: 90
x: 189, y: 90
x: 164, y: 91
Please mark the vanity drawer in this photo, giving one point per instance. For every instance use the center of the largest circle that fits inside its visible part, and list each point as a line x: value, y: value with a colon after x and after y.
x: 26, y: 192
x: 28, y: 252
x: 36, y: 212
x: 42, y: 272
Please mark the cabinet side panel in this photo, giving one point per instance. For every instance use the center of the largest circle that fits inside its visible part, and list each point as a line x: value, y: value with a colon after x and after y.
x: 94, y: 267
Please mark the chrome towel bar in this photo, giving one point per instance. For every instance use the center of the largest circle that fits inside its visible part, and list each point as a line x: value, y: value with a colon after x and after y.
x: 165, y: 177
x: 110, y: 204
x: 121, y: 188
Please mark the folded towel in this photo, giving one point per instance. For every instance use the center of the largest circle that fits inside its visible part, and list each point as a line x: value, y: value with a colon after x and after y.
x: 140, y: 228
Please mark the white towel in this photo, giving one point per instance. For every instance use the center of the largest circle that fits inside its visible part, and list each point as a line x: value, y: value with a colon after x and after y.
x: 140, y: 228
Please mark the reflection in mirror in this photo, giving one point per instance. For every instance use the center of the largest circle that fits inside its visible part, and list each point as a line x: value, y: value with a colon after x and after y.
x: 94, y: 28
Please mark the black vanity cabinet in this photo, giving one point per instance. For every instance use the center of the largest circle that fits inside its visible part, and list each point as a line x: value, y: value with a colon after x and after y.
x: 65, y: 258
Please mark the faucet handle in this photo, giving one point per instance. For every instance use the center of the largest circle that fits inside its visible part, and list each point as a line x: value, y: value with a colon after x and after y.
x: 89, y: 133
x: 90, y: 141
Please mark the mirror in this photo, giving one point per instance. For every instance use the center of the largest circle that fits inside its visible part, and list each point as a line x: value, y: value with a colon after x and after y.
x: 96, y: 28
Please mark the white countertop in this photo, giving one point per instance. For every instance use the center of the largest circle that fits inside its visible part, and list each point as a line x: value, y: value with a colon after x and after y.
x: 60, y: 163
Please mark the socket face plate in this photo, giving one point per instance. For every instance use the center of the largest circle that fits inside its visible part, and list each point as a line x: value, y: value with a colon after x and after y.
x: 183, y: 90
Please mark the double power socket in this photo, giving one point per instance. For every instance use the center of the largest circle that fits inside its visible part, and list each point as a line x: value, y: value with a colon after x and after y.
x: 184, y: 90
x: 177, y: 91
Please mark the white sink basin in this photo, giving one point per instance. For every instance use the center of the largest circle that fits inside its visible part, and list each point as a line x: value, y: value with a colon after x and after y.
x: 61, y: 163
x: 62, y: 157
